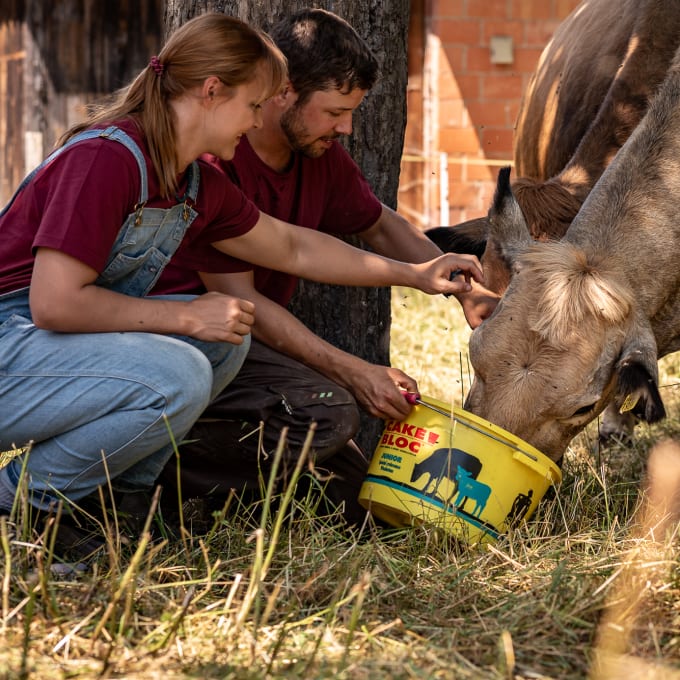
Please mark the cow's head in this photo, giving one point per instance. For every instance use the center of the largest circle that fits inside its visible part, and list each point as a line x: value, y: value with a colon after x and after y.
x: 565, y: 340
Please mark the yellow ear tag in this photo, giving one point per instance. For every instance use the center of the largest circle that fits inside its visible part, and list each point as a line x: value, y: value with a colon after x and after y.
x: 629, y: 403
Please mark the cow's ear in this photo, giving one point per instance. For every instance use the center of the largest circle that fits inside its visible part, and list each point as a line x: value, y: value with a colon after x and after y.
x: 508, y: 229
x: 637, y: 378
x: 466, y: 237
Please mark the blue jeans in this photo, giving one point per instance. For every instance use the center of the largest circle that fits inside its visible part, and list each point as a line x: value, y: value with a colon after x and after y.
x: 95, y: 404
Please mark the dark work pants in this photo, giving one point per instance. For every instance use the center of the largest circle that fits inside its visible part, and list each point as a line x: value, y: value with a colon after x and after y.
x: 229, y: 449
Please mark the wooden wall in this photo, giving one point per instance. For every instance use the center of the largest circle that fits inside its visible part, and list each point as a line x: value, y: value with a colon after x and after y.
x: 12, y: 67
x: 58, y: 56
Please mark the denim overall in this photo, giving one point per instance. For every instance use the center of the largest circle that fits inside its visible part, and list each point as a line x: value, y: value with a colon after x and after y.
x: 95, y: 405
x: 149, y: 237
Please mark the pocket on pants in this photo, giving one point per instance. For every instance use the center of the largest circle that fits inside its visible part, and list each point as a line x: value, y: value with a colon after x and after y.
x: 295, y: 399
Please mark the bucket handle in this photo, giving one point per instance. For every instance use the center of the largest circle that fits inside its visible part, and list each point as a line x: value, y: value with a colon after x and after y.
x: 531, y: 462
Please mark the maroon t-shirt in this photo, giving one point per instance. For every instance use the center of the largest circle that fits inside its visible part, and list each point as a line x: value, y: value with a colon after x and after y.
x: 328, y: 194
x: 78, y: 202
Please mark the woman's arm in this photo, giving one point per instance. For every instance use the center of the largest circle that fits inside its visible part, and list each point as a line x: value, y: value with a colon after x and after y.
x: 317, y: 256
x: 64, y: 298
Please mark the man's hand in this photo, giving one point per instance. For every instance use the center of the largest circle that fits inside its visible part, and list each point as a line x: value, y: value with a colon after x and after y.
x: 380, y: 390
x: 478, y: 304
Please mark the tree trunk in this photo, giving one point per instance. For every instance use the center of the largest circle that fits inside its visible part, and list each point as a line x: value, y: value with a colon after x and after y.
x: 356, y: 320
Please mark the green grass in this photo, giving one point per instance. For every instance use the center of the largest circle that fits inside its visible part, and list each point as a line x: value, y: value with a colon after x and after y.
x: 275, y: 591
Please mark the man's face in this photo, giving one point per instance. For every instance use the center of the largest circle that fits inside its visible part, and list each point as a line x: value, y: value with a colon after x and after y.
x: 311, y: 127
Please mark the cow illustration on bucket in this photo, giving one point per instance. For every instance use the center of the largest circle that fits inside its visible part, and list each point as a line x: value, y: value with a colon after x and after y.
x: 471, y: 488
x: 451, y: 475
x: 449, y: 468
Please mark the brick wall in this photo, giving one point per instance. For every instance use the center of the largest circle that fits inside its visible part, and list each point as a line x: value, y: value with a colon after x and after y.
x: 462, y: 107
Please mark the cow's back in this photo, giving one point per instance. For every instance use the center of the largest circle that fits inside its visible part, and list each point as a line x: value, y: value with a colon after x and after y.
x: 575, y: 73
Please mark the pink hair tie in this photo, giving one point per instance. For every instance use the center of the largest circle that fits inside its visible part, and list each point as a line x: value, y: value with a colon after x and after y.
x: 157, y: 66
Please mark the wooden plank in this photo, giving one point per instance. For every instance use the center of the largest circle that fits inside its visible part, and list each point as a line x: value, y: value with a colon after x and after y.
x: 57, y: 57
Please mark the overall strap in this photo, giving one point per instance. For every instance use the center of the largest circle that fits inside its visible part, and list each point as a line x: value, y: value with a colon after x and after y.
x: 111, y: 132
x: 189, y: 196
x: 119, y: 135
x: 193, y: 181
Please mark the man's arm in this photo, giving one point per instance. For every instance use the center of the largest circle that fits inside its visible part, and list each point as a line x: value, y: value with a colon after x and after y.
x: 396, y: 238
x: 376, y: 388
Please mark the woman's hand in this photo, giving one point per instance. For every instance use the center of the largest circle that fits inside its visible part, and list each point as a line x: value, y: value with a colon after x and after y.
x: 221, y: 318
x: 65, y: 299
x: 449, y: 274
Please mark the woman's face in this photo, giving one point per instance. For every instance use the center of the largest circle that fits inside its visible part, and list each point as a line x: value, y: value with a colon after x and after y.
x: 233, y: 111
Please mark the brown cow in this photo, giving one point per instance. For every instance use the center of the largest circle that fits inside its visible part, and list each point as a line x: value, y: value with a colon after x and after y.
x: 592, y: 86
x: 585, y: 319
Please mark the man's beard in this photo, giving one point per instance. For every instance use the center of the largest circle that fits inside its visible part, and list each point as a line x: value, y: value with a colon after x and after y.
x: 296, y: 133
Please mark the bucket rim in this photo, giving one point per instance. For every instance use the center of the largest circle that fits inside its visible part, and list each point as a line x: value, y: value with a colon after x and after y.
x: 489, y: 429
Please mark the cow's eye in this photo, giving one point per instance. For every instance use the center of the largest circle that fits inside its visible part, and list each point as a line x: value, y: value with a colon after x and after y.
x: 583, y: 410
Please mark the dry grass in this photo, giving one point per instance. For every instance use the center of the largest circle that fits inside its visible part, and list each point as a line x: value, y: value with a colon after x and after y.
x: 590, y: 587
x: 429, y: 342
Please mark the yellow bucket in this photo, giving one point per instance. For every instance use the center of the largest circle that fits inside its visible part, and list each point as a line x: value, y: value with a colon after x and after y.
x: 449, y: 468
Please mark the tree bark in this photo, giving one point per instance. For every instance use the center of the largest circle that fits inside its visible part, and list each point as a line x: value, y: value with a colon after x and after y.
x: 356, y: 320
